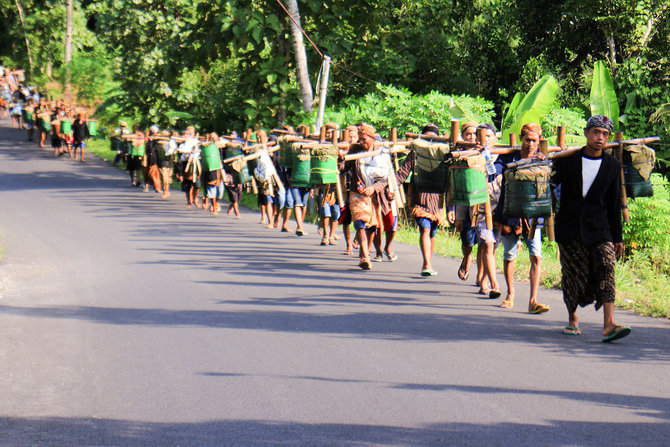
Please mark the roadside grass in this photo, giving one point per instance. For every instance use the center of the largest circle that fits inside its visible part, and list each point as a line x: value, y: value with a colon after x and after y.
x: 641, y: 287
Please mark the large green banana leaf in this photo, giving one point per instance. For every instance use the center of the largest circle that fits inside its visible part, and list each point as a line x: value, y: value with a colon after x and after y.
x: 536, y: 104
x: 603, y: 96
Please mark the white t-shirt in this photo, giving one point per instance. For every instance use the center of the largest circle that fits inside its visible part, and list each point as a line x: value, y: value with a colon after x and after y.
x: 590, y: 168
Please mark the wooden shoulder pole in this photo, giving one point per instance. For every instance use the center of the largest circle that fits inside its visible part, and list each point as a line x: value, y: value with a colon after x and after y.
x: 453, y: 136
x: 322, y: 135
x: 544, y: 148
x: 618, y: 136
x: 560, y: 132
x: 512, y: 139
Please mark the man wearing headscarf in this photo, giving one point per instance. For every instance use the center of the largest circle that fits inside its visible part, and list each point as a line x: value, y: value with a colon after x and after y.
x: 588, y: 227
x: 513, y: 229
x: 361, y: 190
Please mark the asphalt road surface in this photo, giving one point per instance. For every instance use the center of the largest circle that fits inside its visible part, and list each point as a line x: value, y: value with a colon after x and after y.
x: 127, y: 320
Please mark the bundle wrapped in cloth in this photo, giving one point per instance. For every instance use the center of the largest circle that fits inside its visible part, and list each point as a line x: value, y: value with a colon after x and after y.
x: 430, y: 170
x: 301, y: 154
x: 238, y: 168
x: 468, y: 181
x: 285, y: 153
x: 323, y: 164
x: 527, y: 191
x: 638, y: 162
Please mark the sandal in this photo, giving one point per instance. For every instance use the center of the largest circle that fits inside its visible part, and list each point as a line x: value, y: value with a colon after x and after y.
x: 494, y: 293
x: 463, y: 274
x: 507, y: 303
x: 428, y: 272
x: 571, y: 330
x: 538, y: 309
x: 391, y: 256
x: 483, y: 291
x: 616, y: 333
x: 364, y: 264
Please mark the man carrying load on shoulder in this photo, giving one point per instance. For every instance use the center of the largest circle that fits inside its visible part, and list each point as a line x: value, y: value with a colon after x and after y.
x: 488, y: 239
x: 462, y: 221
x: 426, y: 207
x: 589, y: 228
x: 513, y: 228
x: 361, y: 190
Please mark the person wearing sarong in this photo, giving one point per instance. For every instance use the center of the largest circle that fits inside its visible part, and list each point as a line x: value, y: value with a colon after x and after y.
x: 514, y: 228
x: 345, y: 211
x: 232, y: 182
x: 427, y: 208
x: 150, y: 171
x: 165, y: 153
x: 588, y: 227
x: 56, y: 141
x: 361, y: 190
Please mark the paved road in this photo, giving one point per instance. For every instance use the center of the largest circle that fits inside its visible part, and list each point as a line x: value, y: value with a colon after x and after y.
x: 128, y: 320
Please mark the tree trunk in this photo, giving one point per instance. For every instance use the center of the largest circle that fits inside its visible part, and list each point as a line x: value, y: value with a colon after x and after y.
x: 611, y: 47
x: 25, y: 34
x: 68, y: 44
x: 300, y: 57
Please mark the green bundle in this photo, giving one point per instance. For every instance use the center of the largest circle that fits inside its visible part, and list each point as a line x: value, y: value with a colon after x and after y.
x: 468, y: 181
x: 527, y: 191
x: 300, y: 174
x: 323, y: 165
x: 430, y: 170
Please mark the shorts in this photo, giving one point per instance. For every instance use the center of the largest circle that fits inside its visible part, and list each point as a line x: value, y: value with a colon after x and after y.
x: 468, y: 235
x: 484, y: 235
x: 360, y: 225
x: 300, y: 196
x: 534, y: 245
x: 79, y: 145
x: 288, y: 199
x: 56, y: 142
x: 331, y: 211
x: 389, y: 221
x: 215, y: 191
x: 426, y: 224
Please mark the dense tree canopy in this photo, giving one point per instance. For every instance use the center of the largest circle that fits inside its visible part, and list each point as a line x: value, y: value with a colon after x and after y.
x: 229, y: 64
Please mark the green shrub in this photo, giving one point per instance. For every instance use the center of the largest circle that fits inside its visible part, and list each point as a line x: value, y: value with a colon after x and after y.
x: 648, y: 232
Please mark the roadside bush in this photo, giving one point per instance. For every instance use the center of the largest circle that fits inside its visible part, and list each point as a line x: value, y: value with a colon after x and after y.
x: 648, y: 231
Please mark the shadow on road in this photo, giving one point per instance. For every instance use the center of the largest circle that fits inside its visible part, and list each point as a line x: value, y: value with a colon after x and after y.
x: 248, y: 433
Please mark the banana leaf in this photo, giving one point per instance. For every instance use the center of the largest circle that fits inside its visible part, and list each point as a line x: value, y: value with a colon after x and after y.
x: 603, y: 96
x: 459, y: 113
x: 536, y: 104
x: 511, y: 110
x: 661, y: 115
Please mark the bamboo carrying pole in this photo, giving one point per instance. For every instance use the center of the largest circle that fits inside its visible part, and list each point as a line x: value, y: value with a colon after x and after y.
x: 618, y: 136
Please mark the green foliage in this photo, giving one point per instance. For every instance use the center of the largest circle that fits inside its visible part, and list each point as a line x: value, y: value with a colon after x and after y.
x: 574, y: 123
x: 390, y: 107
x: 532, y: 107
x: 648, y: 231
x: 603, y: 97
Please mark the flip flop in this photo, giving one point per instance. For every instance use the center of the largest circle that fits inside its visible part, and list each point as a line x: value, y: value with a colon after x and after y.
x: 572, y: 331
x: 616, y: 333
x: 507, y: 303
x: 428, y: 272
x: 365, y: 265
x: 484, y: 291
x: 391, y: 256
x: 495, y: 293
x: 463, y: 274
x: 538, y: 309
